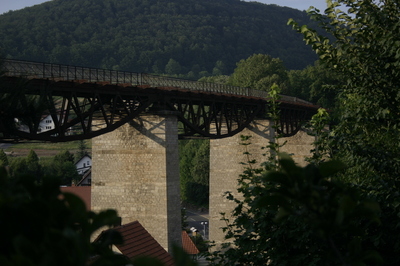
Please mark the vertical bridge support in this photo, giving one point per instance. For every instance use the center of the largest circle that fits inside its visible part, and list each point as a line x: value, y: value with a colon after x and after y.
x: 136, y: 172
x: 226, y: 156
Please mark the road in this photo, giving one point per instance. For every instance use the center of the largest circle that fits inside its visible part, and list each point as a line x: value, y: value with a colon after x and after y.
x: 198, y: 221
x: 4, y: 146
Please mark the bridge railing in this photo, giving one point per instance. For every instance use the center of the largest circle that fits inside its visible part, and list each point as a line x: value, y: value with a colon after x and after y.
x: 65, y: 72
x: 160, y: 81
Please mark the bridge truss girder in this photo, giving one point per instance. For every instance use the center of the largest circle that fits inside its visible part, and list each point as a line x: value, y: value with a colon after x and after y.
x: 213, y: 116
x: 83, y: 110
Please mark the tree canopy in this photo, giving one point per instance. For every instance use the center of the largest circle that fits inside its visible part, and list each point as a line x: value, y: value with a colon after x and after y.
x: 61, y: 166
x: 317, y: 84
x: 42, y: 226
x: 3, y: 159
x: 194, y: 171
x: 365, y: 56
x: 206, y: 37
x: 341, y: 209
x: 259, y: 71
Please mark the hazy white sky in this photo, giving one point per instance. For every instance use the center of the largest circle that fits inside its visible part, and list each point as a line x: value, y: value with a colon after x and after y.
x: 7, y: 5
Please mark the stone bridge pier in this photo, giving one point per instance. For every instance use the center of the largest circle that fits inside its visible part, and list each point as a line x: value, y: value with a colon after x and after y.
x: 136, y: 171
x: 226, y: 156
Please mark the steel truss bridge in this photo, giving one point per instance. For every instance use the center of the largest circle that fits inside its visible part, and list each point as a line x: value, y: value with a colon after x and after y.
x: 86, y: 102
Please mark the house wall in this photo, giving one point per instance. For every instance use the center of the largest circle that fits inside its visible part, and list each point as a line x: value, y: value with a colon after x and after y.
x: 46, y: 124
x: 84, y: 164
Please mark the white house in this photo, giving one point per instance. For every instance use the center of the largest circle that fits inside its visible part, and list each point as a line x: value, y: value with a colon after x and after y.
x: 86, y: 179
x: 84, y: 164
x: 46, y: 124
x: 84, y: 168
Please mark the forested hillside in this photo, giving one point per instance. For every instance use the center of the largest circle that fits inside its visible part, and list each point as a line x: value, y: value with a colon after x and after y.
x: 155, y: 36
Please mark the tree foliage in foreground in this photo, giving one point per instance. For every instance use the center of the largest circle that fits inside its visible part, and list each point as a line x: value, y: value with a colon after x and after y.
x: 3, y: 159
x: 289, y: 215
x: 330, y: 212
x: 299, y: 216
x: 365, y: 55
x: 316, y: 84
x: 42, y: 226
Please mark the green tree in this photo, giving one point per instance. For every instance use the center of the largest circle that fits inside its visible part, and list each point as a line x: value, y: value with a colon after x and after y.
x: 3, y: 158
x: 364, y: 55
x: 187, y: 150
x: 62, y: 166
x: 64, y: 156
x: 173, y: 67
x: 19, y: 166
x: 190, y: 32
x: 316, y: 83
x: 215, y: 79
x: 299, y: 216
x: 318, y: 127
x: 259, y: 71
x: 67, y: 172
x: 201, y: 169
x: 33, y: 166
x: 42, y: 226
x: 82, y: 149
x: 219, y: 69
x: 194, y: 171
x: 291, y: 215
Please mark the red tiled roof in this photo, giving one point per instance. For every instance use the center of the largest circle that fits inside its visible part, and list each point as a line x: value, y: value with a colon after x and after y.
x: 84, y: 193
x: 188, y: 246
x: 138, y: 242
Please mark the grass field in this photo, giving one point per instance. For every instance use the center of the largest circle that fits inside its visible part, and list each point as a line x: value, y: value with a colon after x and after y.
x: 45, y: 148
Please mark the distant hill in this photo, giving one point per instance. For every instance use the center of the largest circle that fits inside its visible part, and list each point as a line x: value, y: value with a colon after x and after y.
x: 154, y: 36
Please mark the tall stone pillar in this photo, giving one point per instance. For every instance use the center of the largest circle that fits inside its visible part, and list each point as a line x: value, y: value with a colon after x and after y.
x: 226, y: 156
x: 299, y: 147
x: 136, y: 171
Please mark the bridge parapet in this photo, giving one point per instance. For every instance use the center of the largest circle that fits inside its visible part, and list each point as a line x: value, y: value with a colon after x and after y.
x: 20, y: 68
x: 26, y: 69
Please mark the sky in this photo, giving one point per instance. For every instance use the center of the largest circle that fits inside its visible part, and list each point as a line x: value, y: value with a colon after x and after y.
x: 7, y: 5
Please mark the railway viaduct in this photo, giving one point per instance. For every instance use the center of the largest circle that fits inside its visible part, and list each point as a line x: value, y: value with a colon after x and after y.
x: 135, y: 121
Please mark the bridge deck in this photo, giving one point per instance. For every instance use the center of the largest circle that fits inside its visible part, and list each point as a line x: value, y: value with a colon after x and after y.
x: 57, y: 72
x: 86, y: 102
